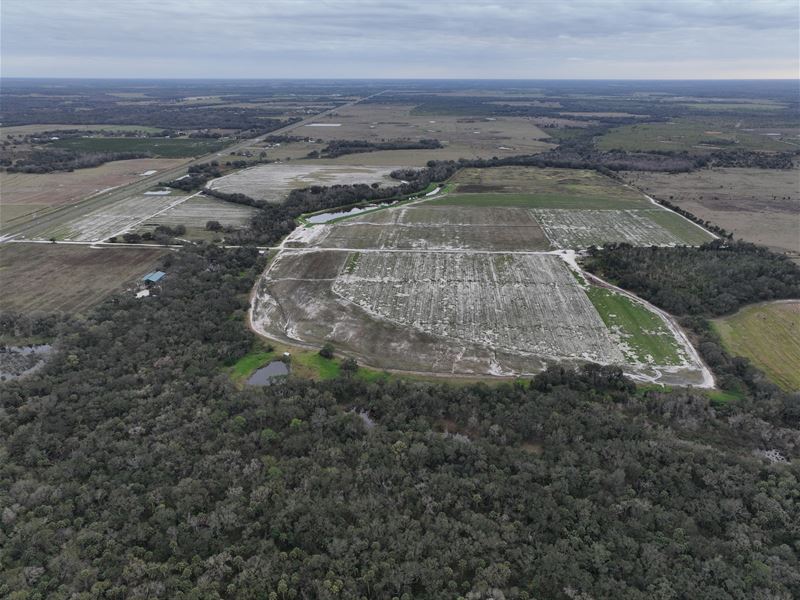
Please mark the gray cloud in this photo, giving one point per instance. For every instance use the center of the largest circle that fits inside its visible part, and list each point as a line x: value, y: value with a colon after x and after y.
x: 370, y: 38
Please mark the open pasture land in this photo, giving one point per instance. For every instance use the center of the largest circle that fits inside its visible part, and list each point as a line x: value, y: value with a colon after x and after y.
x: 24, y: 194
x: 433, y: 228
x: 272, y: 182
x: 56, y: 277
x: 534, y: 187
x: 158, y: 147
x: 107, y: 220
x: 649, y: 227
x: 757, y: 205
x: 692, y: 135
x: 462, y: 137
x: 768, y: 335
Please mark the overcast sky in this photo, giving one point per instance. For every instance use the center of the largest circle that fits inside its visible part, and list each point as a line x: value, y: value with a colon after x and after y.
x: 528, y: 39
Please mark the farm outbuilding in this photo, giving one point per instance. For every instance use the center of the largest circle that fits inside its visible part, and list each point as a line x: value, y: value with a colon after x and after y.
x: 153, y: 277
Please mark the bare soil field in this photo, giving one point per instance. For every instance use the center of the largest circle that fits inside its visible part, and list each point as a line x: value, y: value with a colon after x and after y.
x: 434, y: 228
x: 584, y: 228
x: 199, y: 210
x: 45, y: 277
x: 757, y: 205
x: 109, y: 220
x: 456, y: 290
x: 23, y: 194
x: 272, y: 182
x: 516, y: 303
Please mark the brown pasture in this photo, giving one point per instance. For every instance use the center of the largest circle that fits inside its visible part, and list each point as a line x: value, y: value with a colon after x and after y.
x: 757, y: 205
x: 23, y: 194
x: 57, y: 277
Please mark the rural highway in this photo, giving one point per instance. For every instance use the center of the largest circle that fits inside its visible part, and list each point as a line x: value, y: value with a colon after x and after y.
x: 139, y: 186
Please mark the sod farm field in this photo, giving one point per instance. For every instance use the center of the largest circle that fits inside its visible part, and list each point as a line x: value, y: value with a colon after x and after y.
x: 66, y: 278
x: 757, y: 205
x: 450, y: 286
x: 768, y: 335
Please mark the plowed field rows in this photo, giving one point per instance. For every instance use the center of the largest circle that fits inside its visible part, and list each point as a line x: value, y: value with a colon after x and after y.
x: 584, y: 228
x: 528, y: 303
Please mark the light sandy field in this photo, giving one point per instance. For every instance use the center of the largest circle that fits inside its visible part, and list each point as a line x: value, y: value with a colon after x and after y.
x: 456, y: 290
x: 757, y: 205
x: 434, y: 228
x: 109, y: 220
x: 272, y: 182
x: 583, y: 228
x: 50, y: 277
x: 198, y: 210
x: 523, y: 303
x: 23, y: 194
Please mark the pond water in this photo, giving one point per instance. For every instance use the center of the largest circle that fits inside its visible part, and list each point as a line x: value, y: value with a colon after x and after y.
x: 330, y: 216
x: 17, y: 361
x: 267, y: 374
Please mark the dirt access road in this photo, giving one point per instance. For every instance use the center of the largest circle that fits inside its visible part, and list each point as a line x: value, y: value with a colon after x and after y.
x: 72, y: 211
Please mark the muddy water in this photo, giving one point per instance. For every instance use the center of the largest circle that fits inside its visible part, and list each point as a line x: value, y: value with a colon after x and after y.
x: 266, y: 375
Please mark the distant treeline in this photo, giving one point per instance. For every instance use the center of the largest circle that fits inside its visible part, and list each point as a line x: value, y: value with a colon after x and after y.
x: 56, y: 159
x: 342, y: 147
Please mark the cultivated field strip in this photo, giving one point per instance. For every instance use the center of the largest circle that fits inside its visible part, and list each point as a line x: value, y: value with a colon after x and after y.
x: 584, y: 228
x: 429, y: 228
x: 197, y: 211
x: 528, y: 303
x: 108, y: 220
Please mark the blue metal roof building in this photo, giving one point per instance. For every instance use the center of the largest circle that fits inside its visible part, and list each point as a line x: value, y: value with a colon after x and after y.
x: 153, y: 277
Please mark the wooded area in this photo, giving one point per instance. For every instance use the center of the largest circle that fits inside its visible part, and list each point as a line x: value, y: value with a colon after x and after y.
x: 134, y: 468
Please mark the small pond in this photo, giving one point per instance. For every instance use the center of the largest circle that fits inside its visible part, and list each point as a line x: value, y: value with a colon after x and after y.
x: 330, y: 216
x: 267, y: 374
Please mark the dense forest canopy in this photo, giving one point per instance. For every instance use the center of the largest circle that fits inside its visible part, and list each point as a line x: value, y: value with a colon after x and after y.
x: 716, y: 279
x: 134, y: 468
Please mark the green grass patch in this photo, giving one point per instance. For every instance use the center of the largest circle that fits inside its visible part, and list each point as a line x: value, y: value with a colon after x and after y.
x: 158, y: 147
x: 687, y: 231
x: 644, y: 335
x: 769, y: 336
x: 722, y: 397
x: 537, y: 201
